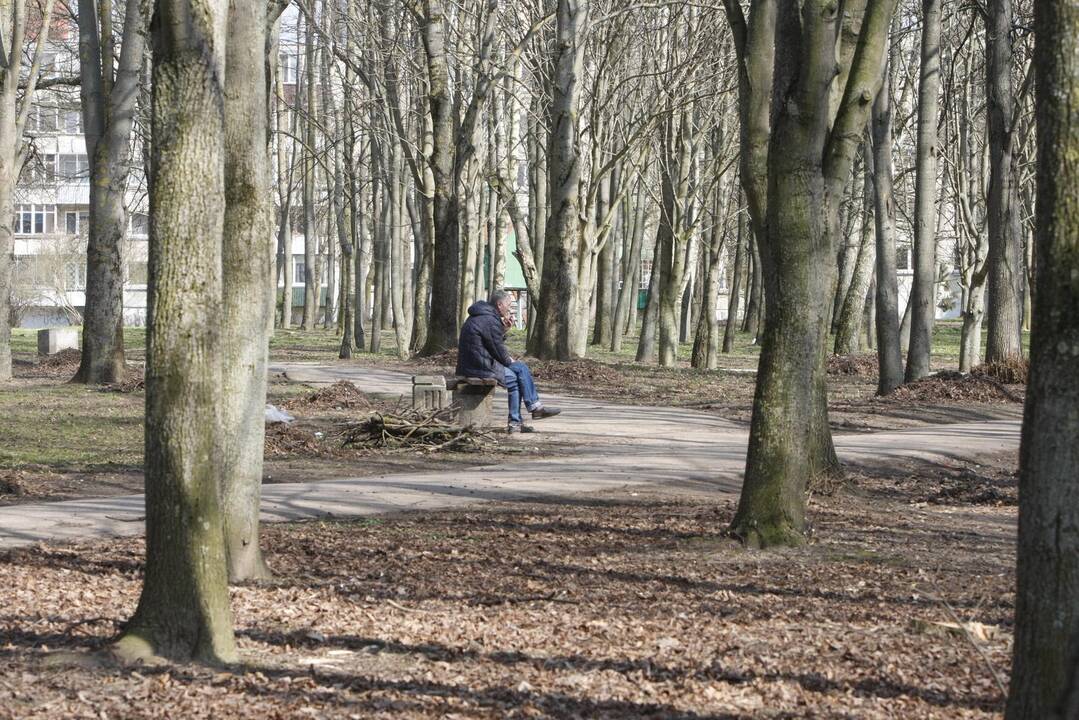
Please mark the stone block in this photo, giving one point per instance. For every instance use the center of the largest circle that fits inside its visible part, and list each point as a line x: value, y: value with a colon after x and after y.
x: 428, y: 392
x: 52, y: 340
x: 474, y: 399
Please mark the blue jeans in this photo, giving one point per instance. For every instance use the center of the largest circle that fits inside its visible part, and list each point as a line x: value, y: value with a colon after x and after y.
x: 520, y: 386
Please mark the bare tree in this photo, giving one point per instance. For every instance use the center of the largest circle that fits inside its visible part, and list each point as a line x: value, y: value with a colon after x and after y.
x: 1045, y: 669
x: 109, y: 99
x: 183, y: 611
x: 15, y: 25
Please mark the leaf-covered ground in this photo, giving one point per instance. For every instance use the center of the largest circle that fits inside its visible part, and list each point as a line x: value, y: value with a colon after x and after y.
x: 627, y: 605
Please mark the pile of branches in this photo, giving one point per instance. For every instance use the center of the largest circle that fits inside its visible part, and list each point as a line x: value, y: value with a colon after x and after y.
x: 410, y: 429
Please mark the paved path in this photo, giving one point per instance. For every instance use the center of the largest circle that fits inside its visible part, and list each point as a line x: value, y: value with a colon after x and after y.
x: 622, y: 446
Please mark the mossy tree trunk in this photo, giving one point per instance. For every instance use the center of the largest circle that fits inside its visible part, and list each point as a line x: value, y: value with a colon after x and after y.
x: 108, y: 113
x: 183, y: 612
x: 808, y: 161
x: 1045, y: 668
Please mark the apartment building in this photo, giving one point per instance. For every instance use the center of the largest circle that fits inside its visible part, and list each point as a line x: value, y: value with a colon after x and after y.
x: 52, y: 205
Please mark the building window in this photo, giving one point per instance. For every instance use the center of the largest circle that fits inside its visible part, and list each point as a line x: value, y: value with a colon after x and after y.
x: 74, y: 167
x: 39, y: 169
x: 71, y: 121
x: 75, y: 274
x: 76, y: 222
x: 35, y: 219
x: 902, y: 257
x: 290, y: 68
x: 298, y: 269
x: 42, y: 119
x: 140, y: 224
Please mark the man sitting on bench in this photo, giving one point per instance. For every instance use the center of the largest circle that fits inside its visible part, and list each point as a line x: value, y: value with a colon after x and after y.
x: 482, y: 353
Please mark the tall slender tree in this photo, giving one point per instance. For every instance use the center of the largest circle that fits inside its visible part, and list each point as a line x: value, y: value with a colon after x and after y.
x: 15, y: 23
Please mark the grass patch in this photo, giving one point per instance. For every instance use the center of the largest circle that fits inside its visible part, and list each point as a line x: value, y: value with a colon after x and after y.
x: 70, y: 426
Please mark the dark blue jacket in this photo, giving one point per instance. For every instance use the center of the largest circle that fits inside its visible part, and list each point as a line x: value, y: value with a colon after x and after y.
x: 481, y: 351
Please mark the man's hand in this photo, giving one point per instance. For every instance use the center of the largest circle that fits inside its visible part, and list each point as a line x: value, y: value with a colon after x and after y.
x: 507, y: 321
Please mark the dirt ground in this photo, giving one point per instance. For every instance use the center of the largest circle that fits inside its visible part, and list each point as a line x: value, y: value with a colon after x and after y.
x: 310, y: 449
x: 628, y: 604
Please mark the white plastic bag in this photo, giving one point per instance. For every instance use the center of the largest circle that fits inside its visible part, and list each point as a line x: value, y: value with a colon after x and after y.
x: 275, y: 415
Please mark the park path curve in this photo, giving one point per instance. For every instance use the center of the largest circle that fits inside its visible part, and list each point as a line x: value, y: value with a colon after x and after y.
x: 621, y: 446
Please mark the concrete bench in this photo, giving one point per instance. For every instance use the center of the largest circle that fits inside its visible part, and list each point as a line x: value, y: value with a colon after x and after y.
x: 474, y: 398
x: 52, y: 340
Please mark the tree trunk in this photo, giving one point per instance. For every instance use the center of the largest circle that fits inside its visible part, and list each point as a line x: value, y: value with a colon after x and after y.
x: 809, y: 159
x: 735, y: 289
x: 1005, y: 319
x: 445, y: 286
x: 1045, y: 668
x: 108, y: 117
x: 755, y: 304
x: 557, y: 317
x: 13, y: 115
x: 310, y: 231
x: 889, y: 352
x: 247, y: 307
x: 627, y: 294
x: 923, y: 292
x: 605, y: 269
x: 646, y: 344
x: 183, y: 612
x: 849, y: 327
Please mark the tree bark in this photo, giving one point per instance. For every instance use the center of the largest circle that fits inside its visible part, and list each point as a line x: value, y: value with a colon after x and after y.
x: 108, y: 117
x: 735, y: 289
x: 14, y: 111
x: 183, y: 612
x: 627, y: 294
x: 1045, y: 668
x: 310, y: 229
x: 247, y: 306
x: 809, y: 159
x: 1005, y: 321
x: 557, y: 318
x: 889, y: 351
x: 923, y: 292
x: 849, y: 328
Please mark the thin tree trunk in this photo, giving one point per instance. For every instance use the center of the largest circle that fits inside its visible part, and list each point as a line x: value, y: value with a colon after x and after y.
x: 627, y: 294
x: 849, y: 328
x: 1005, y: 319
x: 735, y: 290
x: 646, y: 344
x: 889, y: 351
x: 922, y: 295
x: 247, y: 307
x: 310, y: 232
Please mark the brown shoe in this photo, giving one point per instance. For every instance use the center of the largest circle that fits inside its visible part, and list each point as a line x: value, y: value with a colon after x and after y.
x: 544, y: 412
